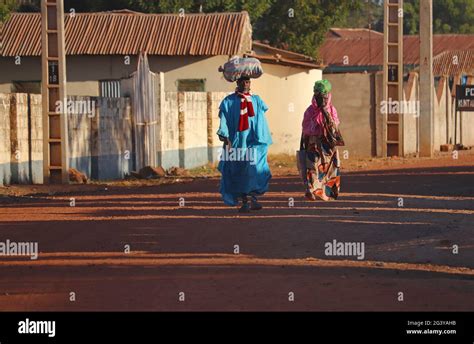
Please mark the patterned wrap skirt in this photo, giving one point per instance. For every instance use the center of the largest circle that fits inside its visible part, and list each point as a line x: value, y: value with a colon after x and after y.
x: 322, y: 170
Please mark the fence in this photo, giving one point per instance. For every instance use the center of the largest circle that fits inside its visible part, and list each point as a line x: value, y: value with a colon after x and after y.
x: 101, y: 142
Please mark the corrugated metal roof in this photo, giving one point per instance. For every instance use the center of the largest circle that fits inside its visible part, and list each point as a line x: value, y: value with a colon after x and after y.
x: 455, y: 62
x: 285, y: 53
x: 361, y: 52
x: 351, y: 52
x: 128, y: 33
x: 352, y: 33
x: 268, y: 54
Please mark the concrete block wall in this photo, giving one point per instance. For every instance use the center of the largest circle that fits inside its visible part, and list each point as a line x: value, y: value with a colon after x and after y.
x: 79, y: 139
x: 20, y: 166
x: 169, y: 131
x: 100, y: 146
x: 189, y: 123
x: 351, y: 96
x: 5, y: 148
x: 214, y: 100
x: 21, y: 141
x: 195, y: 129
x: 360, y: 132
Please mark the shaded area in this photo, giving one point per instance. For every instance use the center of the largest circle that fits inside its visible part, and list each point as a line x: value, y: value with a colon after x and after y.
x: 408, y: 248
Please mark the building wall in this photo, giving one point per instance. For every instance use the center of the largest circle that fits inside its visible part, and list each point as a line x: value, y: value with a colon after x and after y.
x: 190, y: 121
x: 352, y: 95
x: 358, y: 100
x: 83, y: 72
x: 287, y: 92
x: 190, y: 67
x: 214, y: 100
x: 101, y: 141
x: 193, y: 122
x: 28, y: 69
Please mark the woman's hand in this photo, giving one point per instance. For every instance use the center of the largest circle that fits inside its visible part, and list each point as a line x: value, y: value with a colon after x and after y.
x: 226, y: 141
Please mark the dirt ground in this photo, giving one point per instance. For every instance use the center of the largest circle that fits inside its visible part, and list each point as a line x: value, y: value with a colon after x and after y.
x: 190, y: 248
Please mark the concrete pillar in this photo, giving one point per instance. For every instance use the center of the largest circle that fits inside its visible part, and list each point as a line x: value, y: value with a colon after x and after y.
x: 426, y: 79
x: 181, y: 127
x: 36, y: 138
x: 160, y: 108
x: 210, y: 134
x: 19, y: 136
x: 5, y: 151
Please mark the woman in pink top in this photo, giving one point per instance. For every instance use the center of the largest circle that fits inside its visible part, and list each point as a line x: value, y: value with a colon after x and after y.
x: 320, y: 139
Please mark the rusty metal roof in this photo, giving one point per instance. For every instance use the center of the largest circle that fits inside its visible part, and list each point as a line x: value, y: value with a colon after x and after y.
x: 352, y: 33
x: 362, y: 52
x: 128, y: 33
x: 351, y: 52
x: 268, y: 54
x: 454, y: 62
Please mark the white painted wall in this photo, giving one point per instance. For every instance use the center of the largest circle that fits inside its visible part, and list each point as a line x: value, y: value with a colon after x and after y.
x: 287, y: 92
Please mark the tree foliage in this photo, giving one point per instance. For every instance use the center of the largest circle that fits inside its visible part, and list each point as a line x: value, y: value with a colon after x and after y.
x: 449, y: 16
x: 6, y: 6
x: 301, y: 25
x: 298, y: 25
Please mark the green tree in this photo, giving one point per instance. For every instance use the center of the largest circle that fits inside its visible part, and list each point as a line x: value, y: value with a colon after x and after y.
x: 298, y: 25
x: 256, y: 8
x: 449, y: 16
x: 369, y: 14
x: 301, y: 25
x: 6, y: 6
x: 411, y: 17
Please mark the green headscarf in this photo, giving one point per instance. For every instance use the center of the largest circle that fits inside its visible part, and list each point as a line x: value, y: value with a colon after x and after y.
x: 322, y: 86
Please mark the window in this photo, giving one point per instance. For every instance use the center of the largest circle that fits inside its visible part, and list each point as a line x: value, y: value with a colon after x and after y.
x: 192, y: 85
x: 109, y: 88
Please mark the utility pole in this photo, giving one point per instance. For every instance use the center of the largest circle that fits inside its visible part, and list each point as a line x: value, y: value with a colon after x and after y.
x: 393, y: 78
x: 53, y: 90
x: 426, y: 79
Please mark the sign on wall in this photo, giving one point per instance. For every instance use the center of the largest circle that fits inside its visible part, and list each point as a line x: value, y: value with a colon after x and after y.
x: 465, y: 98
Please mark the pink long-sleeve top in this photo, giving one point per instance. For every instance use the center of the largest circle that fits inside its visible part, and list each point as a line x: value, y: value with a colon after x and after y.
x: 313, y: 118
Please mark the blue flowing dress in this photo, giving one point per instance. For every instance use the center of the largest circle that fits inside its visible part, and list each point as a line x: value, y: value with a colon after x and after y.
x: 244, y: 177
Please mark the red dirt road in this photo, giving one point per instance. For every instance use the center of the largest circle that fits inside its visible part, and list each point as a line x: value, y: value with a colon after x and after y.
x: 190, y: 248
